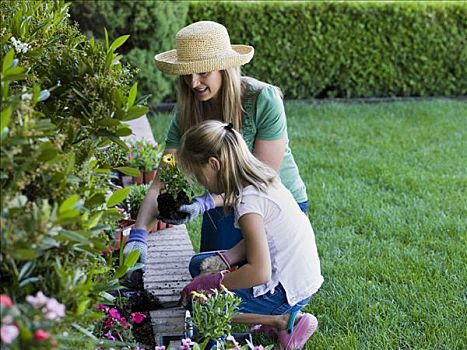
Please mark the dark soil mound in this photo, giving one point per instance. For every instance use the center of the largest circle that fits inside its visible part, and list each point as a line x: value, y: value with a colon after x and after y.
x: 168, y: 206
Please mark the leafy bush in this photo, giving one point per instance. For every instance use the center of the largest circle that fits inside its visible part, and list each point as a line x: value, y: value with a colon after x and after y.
x: 152, y: 24
x: 135, y: 198
x: 349, y: 49
x: 63, y: 99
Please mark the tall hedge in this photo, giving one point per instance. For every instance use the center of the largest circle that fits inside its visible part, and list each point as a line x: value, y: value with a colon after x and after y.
x: 317, y: 50
x: 152, y: 25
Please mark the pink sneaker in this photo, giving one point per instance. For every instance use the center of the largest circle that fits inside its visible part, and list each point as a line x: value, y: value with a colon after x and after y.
x: 265, y: 329
x: 303, y: 330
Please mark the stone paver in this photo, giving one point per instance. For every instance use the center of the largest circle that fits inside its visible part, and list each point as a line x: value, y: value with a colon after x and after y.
x: 169, y: 253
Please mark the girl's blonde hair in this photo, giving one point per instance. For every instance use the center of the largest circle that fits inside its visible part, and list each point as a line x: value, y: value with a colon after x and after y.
x: 191, y: 109
x: 238, y: 167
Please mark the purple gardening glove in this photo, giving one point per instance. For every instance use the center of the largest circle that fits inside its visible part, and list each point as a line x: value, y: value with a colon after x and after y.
x: 137, y: 241
x: 199, y: 283
x: 197, y: 207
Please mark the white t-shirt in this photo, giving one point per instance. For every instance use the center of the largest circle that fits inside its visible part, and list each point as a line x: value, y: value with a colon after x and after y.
x: 294, y: 256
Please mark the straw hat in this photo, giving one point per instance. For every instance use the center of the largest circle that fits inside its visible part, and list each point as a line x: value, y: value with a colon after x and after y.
x: 203, y: 47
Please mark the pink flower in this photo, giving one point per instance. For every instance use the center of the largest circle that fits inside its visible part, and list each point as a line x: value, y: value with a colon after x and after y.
x: 113, y: 312
x: 159, y: 347
x: 40, y: 335
x: 107, y: 251
x: 8, y: 333
x: 5, y: 300
x: 53, y: 309
x: 102, y: 307
x: 187, y: 342
x: 137, y: 317
x: 38, y: 301
x: 124, y: 322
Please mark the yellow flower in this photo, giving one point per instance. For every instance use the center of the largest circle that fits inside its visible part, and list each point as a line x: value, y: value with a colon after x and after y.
x: 169, y: 159
x: 200, y: 296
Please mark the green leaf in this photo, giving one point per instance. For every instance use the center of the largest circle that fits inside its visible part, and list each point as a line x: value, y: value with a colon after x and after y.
x: 48, y: 152
x: 118, y: 196
x: 122, y: 132
x: 132, y: 96
x: 8, y: 60
x: 108, y: 122
x: 135, y: 112
x: 72, y: 236
x: 129, y: 171
x: 131, y: 258
x: 118, y: 42
x: 106, y: 37
x: 70, y: 203
x: 24, y: 254
x: 95, y: 200
x: 5, y: 118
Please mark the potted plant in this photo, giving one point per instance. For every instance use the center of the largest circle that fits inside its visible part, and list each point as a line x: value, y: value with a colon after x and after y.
x: 144, y: 156
x: 212, y: 316
x: 210, y: 327
x: 131, y: 207
x: 176, y: 191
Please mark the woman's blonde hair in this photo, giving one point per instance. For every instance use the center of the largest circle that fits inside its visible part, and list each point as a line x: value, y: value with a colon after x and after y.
x: 238, y: 167
x: 191, y: 109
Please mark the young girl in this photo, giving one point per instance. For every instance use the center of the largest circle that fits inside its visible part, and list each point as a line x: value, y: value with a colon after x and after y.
x: 280, y: 268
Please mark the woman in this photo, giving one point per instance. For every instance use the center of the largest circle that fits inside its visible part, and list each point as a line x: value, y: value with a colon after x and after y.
x: 211, y: 87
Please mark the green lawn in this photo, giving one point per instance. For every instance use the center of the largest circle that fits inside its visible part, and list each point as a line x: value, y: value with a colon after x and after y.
x: 387, y: 191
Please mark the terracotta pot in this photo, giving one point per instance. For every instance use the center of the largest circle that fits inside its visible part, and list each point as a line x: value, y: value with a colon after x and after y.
x: 149, y: 175
x: 138, y: 180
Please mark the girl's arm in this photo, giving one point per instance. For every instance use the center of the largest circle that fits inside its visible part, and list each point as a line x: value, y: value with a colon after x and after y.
x: 257, y: 269
x: 148, y: 211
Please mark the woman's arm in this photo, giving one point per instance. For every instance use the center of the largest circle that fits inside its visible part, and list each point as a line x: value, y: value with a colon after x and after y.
x: 257, y: 269
x: 270, y: 152
x: 148, y: 211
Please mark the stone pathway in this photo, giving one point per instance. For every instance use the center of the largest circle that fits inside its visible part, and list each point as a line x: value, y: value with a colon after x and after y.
x: 169, y: 253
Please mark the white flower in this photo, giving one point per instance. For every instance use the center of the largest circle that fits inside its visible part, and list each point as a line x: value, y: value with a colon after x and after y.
x: 26, y: 97
x: 8, y: 333
x: 38, y: 301
x: 19, y: 46
x: 53, y: 309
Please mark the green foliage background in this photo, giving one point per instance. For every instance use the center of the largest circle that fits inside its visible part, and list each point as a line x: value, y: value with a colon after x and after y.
x: 351, y: 49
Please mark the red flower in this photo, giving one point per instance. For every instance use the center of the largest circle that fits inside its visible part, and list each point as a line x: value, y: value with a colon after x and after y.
x: 5, y: 300
x: 137, y: 317
x: 40, y: 335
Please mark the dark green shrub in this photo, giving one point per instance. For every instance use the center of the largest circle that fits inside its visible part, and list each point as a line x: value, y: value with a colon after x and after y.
x: 349, y: 49
x: 152, y: 25
x: 63, y: 97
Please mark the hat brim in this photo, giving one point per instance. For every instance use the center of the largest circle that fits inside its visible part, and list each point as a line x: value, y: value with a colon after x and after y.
x: 168, y: 62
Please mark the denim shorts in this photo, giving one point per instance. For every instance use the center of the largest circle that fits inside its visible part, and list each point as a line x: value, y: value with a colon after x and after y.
x: 218, y: 231
x: 266, y: 304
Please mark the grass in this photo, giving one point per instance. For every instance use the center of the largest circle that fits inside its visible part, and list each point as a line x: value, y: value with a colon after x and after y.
x: 387, y: 191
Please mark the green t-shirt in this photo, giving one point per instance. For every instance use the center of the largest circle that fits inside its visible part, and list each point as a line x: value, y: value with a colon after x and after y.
x: 263, y: 119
